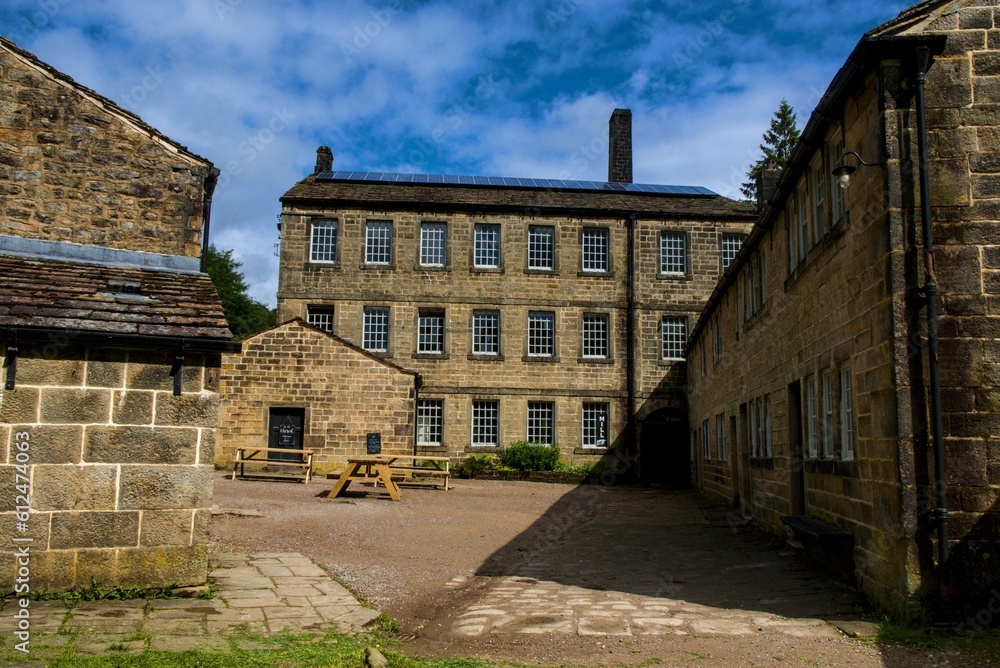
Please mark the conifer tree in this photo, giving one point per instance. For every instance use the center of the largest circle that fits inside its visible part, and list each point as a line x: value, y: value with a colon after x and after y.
x: 246, y: 316
x: 779, y: 140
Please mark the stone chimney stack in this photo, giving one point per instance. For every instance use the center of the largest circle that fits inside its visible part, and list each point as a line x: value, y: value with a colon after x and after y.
x: 324, y: 160
x: 767, y: 182
x: 620, y: 147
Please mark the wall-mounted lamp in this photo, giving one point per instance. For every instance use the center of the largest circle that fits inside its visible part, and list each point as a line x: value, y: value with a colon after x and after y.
x: 843, y: 171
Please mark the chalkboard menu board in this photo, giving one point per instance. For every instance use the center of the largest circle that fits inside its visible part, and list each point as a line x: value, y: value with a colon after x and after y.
x: 375, y: 443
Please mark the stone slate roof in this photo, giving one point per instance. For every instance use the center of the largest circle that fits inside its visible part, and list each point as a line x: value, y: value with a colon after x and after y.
x: 908, y: 16
x: 386, y: 196
x: 108, y: 104
x: 48, y: 294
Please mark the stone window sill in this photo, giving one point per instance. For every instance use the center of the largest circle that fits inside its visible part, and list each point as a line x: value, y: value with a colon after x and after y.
x: 589, y: 451
x: 762, y: 462
x: 848, y: 469
x: 430, y: 356
x: 532, y: 358
x: 485, y: 358
x: 674, y: 277
x: 595, y: 360
x: 596, y: 274
x: 481, y: 449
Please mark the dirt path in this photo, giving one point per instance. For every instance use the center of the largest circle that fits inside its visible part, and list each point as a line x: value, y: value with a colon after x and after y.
x: 557, y: 574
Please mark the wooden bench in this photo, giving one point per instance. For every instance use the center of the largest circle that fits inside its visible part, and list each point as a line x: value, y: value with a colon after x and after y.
x: 828, y: 544
x: 403, y: 465
x: 303, y: 460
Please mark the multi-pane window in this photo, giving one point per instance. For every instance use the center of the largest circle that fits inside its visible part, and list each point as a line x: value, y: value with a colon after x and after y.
x: 759, y: 414
x: 541, y: 334
x: 826, y: 398
x: 812, y: 419
x: 716, y: 331
x: 767, y: 438
x: 486, y: 333
x: 541, y: 248
x: 834, y: 151
x: 673, y: 335
x: 846, y: 414
x: 793, y: 241
x: 486, y: 423
x: 320, y: 316
x: 706, y: 446
x: 433, y: 244
x: 595, y: 249
x: 540, y: 422
x: 378, y: 242
x: 817, y: 193
x: 802, y: 211
x: 731, y: 245
x: 595, y: 425
x: 430, y: 332
x: 487, y: 247
x: 430, y: 421
x: 753, y: 417
x: 595, y: 335
x: 720, y: 437
x: 323, y: 241
x: 375, y: 336
x: 673, y: 253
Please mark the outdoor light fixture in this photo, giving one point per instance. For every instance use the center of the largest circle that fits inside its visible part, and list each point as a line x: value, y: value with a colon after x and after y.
x: 843, y: 171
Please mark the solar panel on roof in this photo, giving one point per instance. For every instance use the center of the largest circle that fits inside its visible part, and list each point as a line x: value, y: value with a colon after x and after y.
x: 511, y: 182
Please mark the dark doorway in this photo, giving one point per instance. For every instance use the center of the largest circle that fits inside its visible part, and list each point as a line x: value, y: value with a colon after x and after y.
x: 664, y: 451
x: 285, y: 431
x: 797, y: 502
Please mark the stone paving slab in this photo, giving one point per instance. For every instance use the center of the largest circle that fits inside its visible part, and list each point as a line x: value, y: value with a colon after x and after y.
x: 258, y: 593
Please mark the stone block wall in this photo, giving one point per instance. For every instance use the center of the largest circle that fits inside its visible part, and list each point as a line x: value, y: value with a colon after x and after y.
x: 120, y: 469
x: 74, y: 168
x: 346, y: 394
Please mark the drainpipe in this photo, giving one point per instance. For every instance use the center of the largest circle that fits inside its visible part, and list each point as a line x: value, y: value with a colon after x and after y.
x: 630, y: 426
x: 930, y: 290
x: 211, y: 181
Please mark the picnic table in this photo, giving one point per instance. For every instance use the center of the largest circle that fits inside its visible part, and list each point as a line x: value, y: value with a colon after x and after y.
x: 301, y: 459
x: 384, y: 468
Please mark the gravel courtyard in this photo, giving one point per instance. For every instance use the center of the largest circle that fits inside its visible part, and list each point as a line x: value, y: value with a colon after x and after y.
x: 565, y: 575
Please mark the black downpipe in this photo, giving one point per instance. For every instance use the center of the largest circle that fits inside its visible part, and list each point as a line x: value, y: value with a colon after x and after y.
x: 630, y: 426
x: 211, y: 181
x: 930, y: 290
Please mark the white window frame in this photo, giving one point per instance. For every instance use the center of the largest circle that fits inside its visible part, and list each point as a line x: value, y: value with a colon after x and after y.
x: 595, y: 249
x: 720, y: 437
x: 323, y: 241
x: 706, y: 443
x: 817, y: 193
x: 378, y: 242
x: 485, y: 423
x: 376, y: 324
x: 486, y: 329
x: 847, y: 432
x: 433, y: 244
x: 834, y: 151
x: 595, y: 424
x: 431, y: 332
x: 321, y: 317
x: 596, y: 328
x: 768, y: 428
x: 430, y: 422
x: 802, y: 211
x: 826, y: 402
x: 541, y: 334
x: 793, y: 240
x: 755, y: 445
x: 673, y: 338
x: 672, y: 262
x: 486, y: 246
x: 542, y: 247
x: 540, y: 422
x: 729, y: 248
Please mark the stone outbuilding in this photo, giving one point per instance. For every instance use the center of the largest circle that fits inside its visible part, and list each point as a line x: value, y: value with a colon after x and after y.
x: 111, y: 338
x: 812, y: 380
x: 331, y: 391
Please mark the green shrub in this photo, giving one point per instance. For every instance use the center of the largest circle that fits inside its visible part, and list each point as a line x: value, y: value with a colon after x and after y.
x: 525, y: 456
x: 474, y: 465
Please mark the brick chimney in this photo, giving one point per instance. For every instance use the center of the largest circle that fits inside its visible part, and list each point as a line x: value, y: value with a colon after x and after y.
x: 324, y: 160
x: 767, y: 182
x: 620, y: 146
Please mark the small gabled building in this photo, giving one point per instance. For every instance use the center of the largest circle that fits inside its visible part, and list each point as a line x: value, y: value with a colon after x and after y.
x: 111, y: 338
x: 814, y: 400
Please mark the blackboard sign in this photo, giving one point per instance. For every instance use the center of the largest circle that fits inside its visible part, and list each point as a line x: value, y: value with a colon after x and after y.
x: 375, y: 443
x: 286, y: 436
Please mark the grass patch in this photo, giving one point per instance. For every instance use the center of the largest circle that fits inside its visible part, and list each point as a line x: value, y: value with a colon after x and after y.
x: 986, y: 641
x: 97, y: 593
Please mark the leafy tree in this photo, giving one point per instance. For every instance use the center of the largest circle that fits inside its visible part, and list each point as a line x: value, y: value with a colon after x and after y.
x: 779, y: 140
x: 246, y: 316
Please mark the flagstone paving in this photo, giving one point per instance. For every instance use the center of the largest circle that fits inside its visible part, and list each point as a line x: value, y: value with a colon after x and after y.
x: 254, y: 593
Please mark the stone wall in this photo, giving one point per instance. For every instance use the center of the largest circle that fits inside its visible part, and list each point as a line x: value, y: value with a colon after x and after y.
x: 346, y: 394
x: 120, y: 468
x: 457, y: 377
x: 75, y: 168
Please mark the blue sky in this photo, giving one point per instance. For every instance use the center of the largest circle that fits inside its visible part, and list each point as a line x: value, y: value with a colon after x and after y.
x: 445, y: 86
